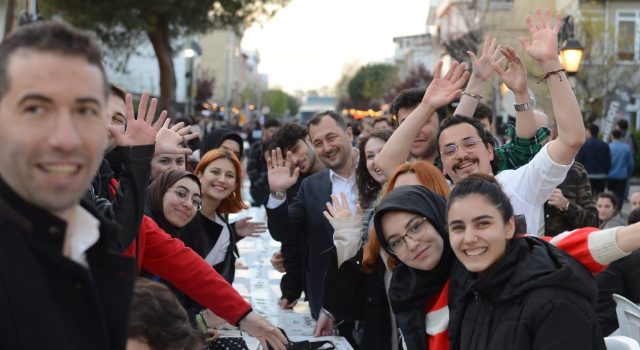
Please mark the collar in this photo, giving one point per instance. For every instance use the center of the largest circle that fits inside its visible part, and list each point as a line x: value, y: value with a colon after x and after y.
x: 84, y: 232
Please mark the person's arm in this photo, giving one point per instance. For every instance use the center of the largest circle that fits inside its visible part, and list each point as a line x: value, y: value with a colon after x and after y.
x: 520, y: 151
x: 543, y: 49
x: 292, y: 283
x: 347, y: 234
x: 515, y: 78
x: 440, y: 92
x: 281, y: 178
x: 285, y: 221
x: 481, y: 70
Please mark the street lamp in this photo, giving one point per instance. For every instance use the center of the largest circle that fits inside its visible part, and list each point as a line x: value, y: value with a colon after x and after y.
x: 571, y: 53
x: 189, y: 53
x: 571, y: 50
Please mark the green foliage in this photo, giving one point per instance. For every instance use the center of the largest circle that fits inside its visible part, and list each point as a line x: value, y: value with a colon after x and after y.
x: 370, y: 84
x: 293, y: 104
x: 277, y: 101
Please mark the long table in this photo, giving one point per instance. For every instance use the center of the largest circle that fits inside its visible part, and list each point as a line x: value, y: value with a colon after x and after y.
x: 259, y: 284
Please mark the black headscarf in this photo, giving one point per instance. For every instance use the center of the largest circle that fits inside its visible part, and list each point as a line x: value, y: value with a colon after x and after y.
x: 215, y: 138
x: 157, y: 189
x: 412, y: 288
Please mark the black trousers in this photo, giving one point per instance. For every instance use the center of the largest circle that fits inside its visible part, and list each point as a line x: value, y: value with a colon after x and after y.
x: 618, y: 187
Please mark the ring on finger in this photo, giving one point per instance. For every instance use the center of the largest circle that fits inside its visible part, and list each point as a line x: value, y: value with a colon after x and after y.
x: 183, y: 141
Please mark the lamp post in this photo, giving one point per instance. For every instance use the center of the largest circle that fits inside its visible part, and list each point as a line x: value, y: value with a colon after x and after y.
x: 570, y: 51
x: 190, y: 53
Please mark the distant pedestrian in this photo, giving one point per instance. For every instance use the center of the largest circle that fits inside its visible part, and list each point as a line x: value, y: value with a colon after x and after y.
x: 608, y: 211
x: 621, y: 166
x: 595, y: 157
x: 257, y: 164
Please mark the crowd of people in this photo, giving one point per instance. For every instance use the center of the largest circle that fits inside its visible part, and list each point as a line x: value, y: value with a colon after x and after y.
x: 431, y: 235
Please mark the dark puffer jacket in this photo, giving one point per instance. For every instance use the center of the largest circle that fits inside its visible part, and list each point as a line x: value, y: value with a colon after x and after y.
x: 535, y: 297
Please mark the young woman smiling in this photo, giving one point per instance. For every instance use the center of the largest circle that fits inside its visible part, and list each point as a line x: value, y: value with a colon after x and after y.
x: 522, y: 292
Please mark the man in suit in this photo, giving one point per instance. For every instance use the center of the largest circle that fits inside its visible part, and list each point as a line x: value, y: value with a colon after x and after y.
x: 331, y: 138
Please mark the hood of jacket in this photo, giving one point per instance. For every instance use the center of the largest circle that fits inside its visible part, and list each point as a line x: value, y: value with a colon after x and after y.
x: 528, y: 264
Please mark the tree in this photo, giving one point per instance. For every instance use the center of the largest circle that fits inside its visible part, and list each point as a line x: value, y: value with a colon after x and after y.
x: 418, y: 77
x: 122, y: 25
x: 293, y: 104
x: 205, y: 86
x: 605, y: 62
x: 370, y: 84
x: 277, y: 101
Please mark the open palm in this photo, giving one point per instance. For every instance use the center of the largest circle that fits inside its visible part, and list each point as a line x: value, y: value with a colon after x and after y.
x: 443, y: 91
x: 544, y: 44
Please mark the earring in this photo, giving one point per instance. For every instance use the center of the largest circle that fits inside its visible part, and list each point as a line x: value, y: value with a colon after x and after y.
x: 233, y: 196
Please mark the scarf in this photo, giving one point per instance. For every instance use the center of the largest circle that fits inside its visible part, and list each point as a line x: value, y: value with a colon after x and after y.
x: 157, y: 189
x: 412, y: 288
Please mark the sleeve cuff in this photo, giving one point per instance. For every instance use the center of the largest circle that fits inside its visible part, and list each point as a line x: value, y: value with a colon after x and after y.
x: 243, y: 316
x: 132, y: 152
x: 347, y: 237
x: 604, y: 246
x: 274, y: 203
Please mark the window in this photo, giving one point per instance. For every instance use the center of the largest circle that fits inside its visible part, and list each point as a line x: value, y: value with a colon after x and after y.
x: 627, y: 35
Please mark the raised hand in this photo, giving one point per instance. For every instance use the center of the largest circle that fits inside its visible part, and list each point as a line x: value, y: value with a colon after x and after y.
x: 443, y: 91
x: 515, y: 78
x: 244, y: 228
x: 544, y: 44
x: 260, y: 328
x: 168, y: 140
x: 481, y: 68
x: 139, y: 131
x: 341, y: 210
x: 280, y: 177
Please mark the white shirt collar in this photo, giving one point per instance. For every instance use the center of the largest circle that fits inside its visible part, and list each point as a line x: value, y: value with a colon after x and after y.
x: 83, y: 232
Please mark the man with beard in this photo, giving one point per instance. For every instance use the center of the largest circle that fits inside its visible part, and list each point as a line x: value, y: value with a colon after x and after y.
x: 466, y: 148
x: 55, y: 260
x: 331, y: 138
x: 292, y: 140
x: 526, y: 137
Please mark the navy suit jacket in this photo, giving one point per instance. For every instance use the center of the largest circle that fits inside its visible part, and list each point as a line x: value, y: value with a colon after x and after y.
x: 304, y: 217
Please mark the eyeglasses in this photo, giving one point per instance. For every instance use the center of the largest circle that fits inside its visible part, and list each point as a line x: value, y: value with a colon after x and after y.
x: 183, y: 196
x: 467, y: 144
x: 399, y: 245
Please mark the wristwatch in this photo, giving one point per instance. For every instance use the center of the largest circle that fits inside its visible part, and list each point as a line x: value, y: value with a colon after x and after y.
x: 524, y: 106
x: 278, y: 193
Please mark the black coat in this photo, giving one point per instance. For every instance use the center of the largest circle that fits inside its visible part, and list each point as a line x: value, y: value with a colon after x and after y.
x: 621, y: 277
x: 535, y: 297
x: 304, y: 217
x: 352, y: 294
x: 127, y: 206
x: 48, y: 301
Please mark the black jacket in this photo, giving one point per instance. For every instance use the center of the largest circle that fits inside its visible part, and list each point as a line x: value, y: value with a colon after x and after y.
x: 350, y: 293
x: 127, y: 206
x: 621, y: 277
x: 257, y: 171
x: 535, y: 297
x: 48, y: 301
x: 201, y: 234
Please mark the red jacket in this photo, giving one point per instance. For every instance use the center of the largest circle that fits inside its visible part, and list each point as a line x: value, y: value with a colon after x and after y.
x: 168, y: 258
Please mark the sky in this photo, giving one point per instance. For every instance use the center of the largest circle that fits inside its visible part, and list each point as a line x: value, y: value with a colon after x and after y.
x: 307, y: 44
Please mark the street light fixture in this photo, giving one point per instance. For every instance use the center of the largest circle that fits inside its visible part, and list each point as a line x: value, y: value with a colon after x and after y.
x: 189, y: 53
x: 571, y: 53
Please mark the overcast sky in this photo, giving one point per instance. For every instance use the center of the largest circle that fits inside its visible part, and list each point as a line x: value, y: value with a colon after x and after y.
x: 307, y: 44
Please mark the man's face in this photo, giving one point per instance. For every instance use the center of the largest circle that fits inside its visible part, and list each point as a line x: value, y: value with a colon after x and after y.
x: 116, y: 110
x: 53, y: 121
x: 465, y: 162
x: 424, y: 145
x: 268, y: 132
x: 366, y: 129
x: 635, y: 201
x: 331, y: 143
x: 383, y: 125
x: 302, y: 156
x: 486, y: 124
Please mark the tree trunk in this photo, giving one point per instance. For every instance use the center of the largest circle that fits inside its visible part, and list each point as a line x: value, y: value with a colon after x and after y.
x: 162, y: 46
